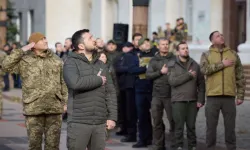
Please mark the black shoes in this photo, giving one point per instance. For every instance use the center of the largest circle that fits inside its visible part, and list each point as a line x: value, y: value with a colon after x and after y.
x: 142, y: 144
x: 120, y: 133
x: 139, y: 145
x: 128, y: 139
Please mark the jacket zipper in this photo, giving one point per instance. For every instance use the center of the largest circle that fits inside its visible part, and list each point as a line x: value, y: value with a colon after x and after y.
x: 221, y: 56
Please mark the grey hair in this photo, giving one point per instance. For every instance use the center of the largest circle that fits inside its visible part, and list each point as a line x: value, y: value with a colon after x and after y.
x: 162, y: 39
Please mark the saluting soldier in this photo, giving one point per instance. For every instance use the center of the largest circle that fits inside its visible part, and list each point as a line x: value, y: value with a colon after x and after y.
x: 44, y: 90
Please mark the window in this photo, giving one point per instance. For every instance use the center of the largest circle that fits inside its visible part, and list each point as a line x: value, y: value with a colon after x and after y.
x: 189, y: 16
x: 19, y: 22
x: 30, y: 23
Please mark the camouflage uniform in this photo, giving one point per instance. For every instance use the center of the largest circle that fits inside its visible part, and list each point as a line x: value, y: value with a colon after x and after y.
x: 223, y: 85
x: 2, y: 73
x: 44, y: 94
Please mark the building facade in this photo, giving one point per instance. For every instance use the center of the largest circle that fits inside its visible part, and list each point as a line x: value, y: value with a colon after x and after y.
x: 59, y: 19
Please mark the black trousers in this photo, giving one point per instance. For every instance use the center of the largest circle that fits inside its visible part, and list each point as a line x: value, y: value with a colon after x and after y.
x: 127, y: 112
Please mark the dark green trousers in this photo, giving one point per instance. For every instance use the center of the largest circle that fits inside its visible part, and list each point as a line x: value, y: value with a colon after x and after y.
x: 82, y: 136
x: 225, y: 104
x: 158, y: 105
x: 185, y: 113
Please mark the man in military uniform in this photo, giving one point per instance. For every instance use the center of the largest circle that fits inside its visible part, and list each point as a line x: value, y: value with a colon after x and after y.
x: 181, y: 31
x: 184, y: 29
x: 225, y: 82
x: 44, y: 90
x: 2, y: 73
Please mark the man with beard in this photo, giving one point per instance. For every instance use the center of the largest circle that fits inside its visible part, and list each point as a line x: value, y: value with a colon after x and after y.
x: 44, y: 91
x: 94, y: 97
x: 187, y: 95
x: 99, y: 45
x: 157, y: 71
x: 225, y: 82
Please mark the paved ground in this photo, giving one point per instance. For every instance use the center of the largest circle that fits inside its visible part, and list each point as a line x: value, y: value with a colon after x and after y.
x: 13, y: 133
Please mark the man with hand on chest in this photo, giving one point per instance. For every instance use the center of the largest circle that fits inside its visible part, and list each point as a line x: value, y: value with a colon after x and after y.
x: 188, y: 95
x: 94, y: 96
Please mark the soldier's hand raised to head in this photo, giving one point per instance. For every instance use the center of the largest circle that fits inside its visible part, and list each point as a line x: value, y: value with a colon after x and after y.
x: 227, y: 63
x: 28, y: 47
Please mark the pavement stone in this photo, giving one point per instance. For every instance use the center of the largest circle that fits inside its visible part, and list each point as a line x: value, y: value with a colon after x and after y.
x: 13, y: 133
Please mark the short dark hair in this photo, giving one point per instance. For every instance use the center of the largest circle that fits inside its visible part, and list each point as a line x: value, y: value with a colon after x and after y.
x: 57, y: 44
x: 77, y: 38
x: 155, y: 33
x: 178, y: 46
x: 135, y: 35
x: 211, y: 35
x: 6, y: 45
x: 102, y: 52
x: 181, y: 18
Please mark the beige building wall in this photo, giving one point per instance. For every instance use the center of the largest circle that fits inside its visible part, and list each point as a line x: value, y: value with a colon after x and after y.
x: 63, y: 18
x: 172, y: 11
x: 216, y: 15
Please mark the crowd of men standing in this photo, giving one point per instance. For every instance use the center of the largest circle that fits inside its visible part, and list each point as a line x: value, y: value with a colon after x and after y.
x: 100, y: 86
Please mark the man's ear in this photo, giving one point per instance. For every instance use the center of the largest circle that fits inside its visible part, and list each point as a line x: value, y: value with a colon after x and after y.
x: 81, y: 46
x: 177, y: 52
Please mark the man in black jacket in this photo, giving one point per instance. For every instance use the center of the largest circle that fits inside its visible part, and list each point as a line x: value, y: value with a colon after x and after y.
x: 157, y: 71
x: 143, y: 92
x: 94, y: 97
x: 187, y: 94
x: 126, y: 81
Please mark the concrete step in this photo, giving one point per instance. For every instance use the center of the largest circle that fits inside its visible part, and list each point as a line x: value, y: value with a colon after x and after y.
x: 248, y: 89
x: 247, y: 99
x: 247, y: 77
x: 246, y: 66
x: 247, y: 94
